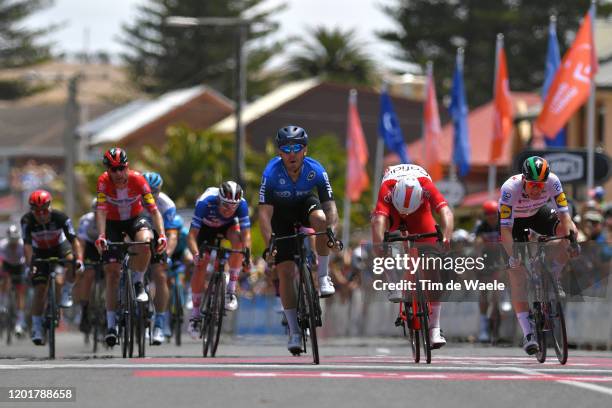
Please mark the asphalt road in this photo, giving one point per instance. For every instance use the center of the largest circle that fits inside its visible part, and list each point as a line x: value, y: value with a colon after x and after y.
x: 356, y: 372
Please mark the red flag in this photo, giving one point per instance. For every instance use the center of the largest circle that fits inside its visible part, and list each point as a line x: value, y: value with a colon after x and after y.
x: 357, y: 179
x: 502, y: 106
x: 571, y: 86
x: 432, y: 129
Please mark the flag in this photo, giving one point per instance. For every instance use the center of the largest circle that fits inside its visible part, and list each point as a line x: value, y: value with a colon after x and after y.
x: 458, y: 110
x: 553, y: 60
x: 502, y: 105
x: 432, y: 129
x: 571, y: 85
x: 389, y: 129
x: 357, y: 179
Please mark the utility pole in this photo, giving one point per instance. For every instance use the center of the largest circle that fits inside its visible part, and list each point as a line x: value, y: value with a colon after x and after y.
x: 72, y: 121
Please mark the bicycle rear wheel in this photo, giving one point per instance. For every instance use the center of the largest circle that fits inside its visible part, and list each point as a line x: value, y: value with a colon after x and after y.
x: 218, y: 312
x: 540, y: 334
x: 413, y: 334
x: 177, y: 314
x: 208, y: 315
x: 141, y: 327
x: 51, y: 316
x: 424, y: 320
x: 313, y: 311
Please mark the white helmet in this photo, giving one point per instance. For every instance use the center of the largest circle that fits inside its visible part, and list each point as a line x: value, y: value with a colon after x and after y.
x: 407, y: 195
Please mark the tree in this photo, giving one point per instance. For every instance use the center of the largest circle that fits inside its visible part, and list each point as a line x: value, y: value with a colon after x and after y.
x: 432, y: 30
x: 161, y: 57
x: 332, y: 54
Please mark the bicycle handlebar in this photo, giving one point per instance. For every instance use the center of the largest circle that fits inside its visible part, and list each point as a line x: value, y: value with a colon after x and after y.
x: 246, y: 252
x: 396, y: 236
x: 331, y: 238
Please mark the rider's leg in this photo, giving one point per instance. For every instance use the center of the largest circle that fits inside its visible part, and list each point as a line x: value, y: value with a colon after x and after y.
x: 286, y: 273
x: 140, y: 261
x: 235, y: 260
x: 111, y: 274
x: 161, y: 293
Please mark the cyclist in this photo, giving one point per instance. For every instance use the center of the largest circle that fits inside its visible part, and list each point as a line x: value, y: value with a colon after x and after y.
x: 159, y: 262
x: 523, y: 204
x: 487, y: 241
x: 408, y: 196
x: 12, y: 270
x: 48, y: 233
x: 286, y: 198
x: 223, y: 211
x: 87, y: 233
x: 122, y: 196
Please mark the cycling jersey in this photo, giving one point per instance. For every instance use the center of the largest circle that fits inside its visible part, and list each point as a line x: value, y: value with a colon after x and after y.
x: 515, y: 203
x: 207, y: 212
x: 49, y: 235
x: 167, y: 208
x: 127, y: 202
x: 420, y: 221
x: 88, y: 230
x: 278, y: 188
x: 487, y: 232
x: 11, y: 253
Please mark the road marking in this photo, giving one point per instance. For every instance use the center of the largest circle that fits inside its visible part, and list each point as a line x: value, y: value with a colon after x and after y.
x: 587, y: 386
x: 576, y: 382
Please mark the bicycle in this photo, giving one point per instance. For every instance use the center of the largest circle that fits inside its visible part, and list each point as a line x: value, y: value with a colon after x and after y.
x: 52, y: 315
x: 8, y: 317
x: 414, y: 314
x: 132, y: 322
x: 547, y: 312
x: 97, y: 310
x: 212, y: 308
x: 177, y: 300
x: 308, y: 306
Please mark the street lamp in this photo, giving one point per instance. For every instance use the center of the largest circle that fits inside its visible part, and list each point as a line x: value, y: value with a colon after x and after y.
x: 242, y: 25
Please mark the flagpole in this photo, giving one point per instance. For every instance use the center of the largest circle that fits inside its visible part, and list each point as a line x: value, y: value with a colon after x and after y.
x: 378, y: 162
x: 346, y: 222
x: 493, y: 167
x: 591, y: 117
x: 452, y: 171
x: 429, y: 74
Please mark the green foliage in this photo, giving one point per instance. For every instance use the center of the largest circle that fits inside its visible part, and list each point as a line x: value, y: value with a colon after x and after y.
x: 22, y: 47
x: 161, y: 57
x: 432, y: 30
x: 334, y: 55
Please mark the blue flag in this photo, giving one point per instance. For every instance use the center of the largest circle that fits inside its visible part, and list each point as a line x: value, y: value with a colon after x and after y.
x: 553, y: 60
x: 389, y: 129
x: 458, y: 110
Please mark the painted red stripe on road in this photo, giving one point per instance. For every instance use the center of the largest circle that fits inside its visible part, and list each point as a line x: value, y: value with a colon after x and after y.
x: 450, y: 376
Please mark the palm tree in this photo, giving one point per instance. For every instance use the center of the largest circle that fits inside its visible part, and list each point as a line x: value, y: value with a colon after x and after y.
x: 334, y: 55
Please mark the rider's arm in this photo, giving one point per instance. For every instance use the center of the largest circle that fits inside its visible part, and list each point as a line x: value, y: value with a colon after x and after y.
x: 172, y: 241
x: 245, y: 237
x: 82, y: 244
x: 565, y: 224
x: 158, y: 222
x: 28, y: 252
x: 192, y: 241
x: 265, y: 221
x: 101, y: 220
x: 507, y: 240
x: 447, y: 221
x: 331, y: 213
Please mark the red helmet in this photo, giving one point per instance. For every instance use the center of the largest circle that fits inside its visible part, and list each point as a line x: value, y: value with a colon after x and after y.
x: 490, y: 207
x: 115, y: 157
x: 40, y: 199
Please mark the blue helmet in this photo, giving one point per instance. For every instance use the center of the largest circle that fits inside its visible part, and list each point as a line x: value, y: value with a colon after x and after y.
x: 291, y: 134
x: 154, y: 179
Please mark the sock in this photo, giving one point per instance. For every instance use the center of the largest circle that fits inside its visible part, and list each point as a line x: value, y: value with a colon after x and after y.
x: 195, y: 311
x: 323, y: 261
x: 523, y: 318
x: 276, y: 283
x: 231, y: 286
x: 138, y: 276
x: 110, y: 319
x: 484, y: 322
x: 291, y: 315
x: 37, y: 322
x: 436, y: 307
x: 159, y: 320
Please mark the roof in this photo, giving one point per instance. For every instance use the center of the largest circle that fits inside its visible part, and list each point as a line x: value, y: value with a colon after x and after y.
x: 267, y: 104
x: 480, y: 125
x: 120, y: 123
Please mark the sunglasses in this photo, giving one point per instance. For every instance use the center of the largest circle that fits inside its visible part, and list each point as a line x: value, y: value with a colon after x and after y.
x: 535, y: 184
x: 117, y: 169
x: 296, y: 148
x: 229, y: 205
x: 40, y: 211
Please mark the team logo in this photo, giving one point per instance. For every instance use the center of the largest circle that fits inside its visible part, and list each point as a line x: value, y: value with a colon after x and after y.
x: 557, y: 186
x: 148, y: 199
x: 561, y: 200
x: 281, y: 181
x: 505, y: 211
x: 311, y: 175
x: 506, y: 196
x: 101, y: 198
x: 387, y: 198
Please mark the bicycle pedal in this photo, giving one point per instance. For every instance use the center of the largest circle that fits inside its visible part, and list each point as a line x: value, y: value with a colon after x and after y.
x: 399, y: 322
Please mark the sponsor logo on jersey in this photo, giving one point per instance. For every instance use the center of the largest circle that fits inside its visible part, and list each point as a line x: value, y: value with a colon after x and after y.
x: 311, y: 175
x: 506, y: 195
x: 387, y: 198
x: 281, y: 181
x: 557, y: 186
x: 561, y: 200
x: 505, y: 211
x: 101, y: 198
x: 148, y: 199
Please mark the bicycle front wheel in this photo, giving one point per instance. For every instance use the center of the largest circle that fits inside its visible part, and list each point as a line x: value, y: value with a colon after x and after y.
x: 51, y: 317
x: 141, y: 327
x: 424, y: 320
x: 540, y: 334
x: 313, y: 311
x: 208, y: 318
x: 413, y: 334
x: 218, y: 312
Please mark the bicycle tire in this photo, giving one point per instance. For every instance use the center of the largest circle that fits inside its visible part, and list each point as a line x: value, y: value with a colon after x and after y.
x: 424, y: 320
x: 177, y: 315
x: 219, y: 311
x: 93, y: 313
x: 312, y: 300
x: 557, y: 321
x: 141, y: 328
x: 207, y: 316
x: 413, y: 334
x: 52, y: 315
x: 539, y: 332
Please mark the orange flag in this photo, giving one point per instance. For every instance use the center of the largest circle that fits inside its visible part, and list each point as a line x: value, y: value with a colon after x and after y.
x: 502, y: 105
x: 357, y: 179
x: 572, y: 83
x: 432, y: 129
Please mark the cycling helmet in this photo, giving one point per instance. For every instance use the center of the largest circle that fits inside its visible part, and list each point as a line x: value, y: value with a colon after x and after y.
x: 154, y: 179
x: 536, y: 168
x: 461, y: 236
x: 230, y: 192
x: 40, y: 199
x: 407, y: 195
x: 489, y: 207
x: 115, y: 157
x: 291, y: 135
x: 12, y: 233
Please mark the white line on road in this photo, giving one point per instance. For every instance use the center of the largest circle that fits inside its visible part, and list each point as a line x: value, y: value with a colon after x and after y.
x: 586, y: 386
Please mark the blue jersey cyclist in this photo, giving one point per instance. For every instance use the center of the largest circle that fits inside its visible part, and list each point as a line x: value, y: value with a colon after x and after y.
x: 218, y: 211
x: 286, y: 197
x: 159, y: 266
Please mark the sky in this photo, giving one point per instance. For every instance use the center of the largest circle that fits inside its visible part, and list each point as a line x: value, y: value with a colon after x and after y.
x: 96, y: 25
